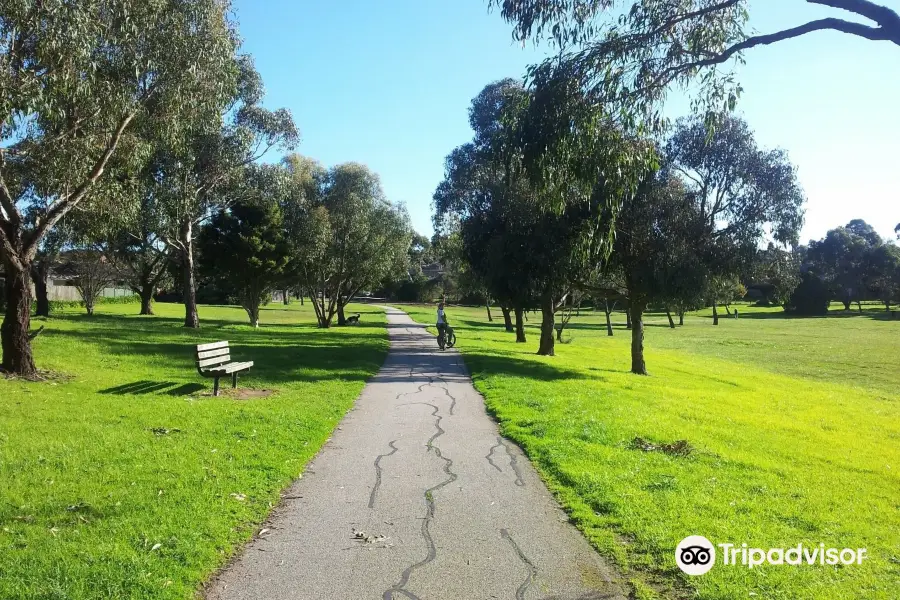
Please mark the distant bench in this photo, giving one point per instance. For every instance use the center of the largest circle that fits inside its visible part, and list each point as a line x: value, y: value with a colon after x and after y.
x: 214, y: 360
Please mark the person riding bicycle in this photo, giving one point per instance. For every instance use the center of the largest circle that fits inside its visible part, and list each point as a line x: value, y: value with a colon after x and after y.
x: 441, y: 320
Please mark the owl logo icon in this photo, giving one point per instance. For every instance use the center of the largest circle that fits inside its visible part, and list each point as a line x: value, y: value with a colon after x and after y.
x: 695, y: 555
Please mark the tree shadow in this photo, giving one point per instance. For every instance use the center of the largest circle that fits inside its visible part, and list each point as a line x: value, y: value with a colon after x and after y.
x: 141, y: 388
x: 506, y: 364
x: 875, y: 315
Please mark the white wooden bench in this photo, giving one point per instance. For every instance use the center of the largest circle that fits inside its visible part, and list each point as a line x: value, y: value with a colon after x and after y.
x: 214, y: 360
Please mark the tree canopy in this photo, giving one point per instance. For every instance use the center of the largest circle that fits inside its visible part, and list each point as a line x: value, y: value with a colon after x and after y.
x: 629, y: 54
x: 76, y: 80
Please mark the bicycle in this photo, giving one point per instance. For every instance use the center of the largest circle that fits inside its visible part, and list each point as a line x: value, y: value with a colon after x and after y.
x: 446, y: 337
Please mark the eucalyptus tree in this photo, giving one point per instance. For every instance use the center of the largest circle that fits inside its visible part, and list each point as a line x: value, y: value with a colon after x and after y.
x: 746, y: 194
x: 583, y: 166
x: 134, y: 247
x: 345, y: 234
x: 371, y: 235
x: 628, y: 54
x: 531, y: 189
x: 884, y: 273
x: 482, y: 202
x: 777, y: 272
x: 92, y: 273
x: 74, y: 78
x: 841, y: 260
x: 202, y: 174
x: 659, y: 234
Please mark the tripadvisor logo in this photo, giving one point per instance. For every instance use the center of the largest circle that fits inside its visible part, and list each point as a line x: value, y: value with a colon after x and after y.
x: 696, y: 555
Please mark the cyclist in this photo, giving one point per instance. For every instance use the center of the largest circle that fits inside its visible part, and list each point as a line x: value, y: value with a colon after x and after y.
x: 441, y: 325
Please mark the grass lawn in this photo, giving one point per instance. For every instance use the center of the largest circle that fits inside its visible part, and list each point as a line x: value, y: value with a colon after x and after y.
x: 126, y: 479
x: 795, y: 425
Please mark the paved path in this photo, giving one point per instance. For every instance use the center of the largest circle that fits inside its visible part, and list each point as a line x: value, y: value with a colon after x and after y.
x: 447, y: 509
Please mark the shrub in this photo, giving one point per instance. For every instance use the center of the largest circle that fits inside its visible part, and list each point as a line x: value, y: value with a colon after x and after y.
x: 810, y: 298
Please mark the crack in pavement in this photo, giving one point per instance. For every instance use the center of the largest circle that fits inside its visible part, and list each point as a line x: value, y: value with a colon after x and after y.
x: 532, y: 570
x: 513, y: 462
x: 447, y: 392
x: 491, y: 453
x: 378, y: 473
x: 400, y: 586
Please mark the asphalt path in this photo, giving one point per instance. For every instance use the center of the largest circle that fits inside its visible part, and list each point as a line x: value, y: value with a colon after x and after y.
x: 417, y: 496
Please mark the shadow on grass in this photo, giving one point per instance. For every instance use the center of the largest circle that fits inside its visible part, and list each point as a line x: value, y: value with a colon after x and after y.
x: 281, y: 353
x: 140, y: 388
x: 506, y: 364
x: 875, y: 315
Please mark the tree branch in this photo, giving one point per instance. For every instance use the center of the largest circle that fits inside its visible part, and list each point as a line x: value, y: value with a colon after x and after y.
x: 882, y: 15
x: 59, y: 210
x: 858, y: 29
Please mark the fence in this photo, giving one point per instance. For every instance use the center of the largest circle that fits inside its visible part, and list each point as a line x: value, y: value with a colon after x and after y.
x: 68, y: 293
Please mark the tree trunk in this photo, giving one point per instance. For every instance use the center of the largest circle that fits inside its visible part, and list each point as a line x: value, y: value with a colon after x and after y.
x: 146, y: 300
x: 40, y: 272
x: 638, y: 366
x: 608, y: 311
x: 490, y: 316
x: 191, y: 318
x: 17, y: 356
x: 146, y: 289
x: 669, y: 315
x: 859, y: 305
x: 342, y: 320
x: 286, y: 298
x: 507, y: 319
x: 520, y: 326
x: 628, y: 316
x: 252, y: 308
x: 728, y: 309
x: 548, y: 318
x: 319, y: 308
x: 301, y: 299
x: 681, y: 317
x: 715, y: 313
x: 847, y: 302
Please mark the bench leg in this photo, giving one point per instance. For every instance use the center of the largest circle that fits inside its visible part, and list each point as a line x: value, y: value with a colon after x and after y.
x: 216, y: 386
x: 234, y: 380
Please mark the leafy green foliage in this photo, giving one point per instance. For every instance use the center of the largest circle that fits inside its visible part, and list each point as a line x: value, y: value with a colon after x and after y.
x: 663, y: 248
x: 777, y: 273
x: 529, y: 194
x: 82, y: 85
x: 744, y: 192
x: 346, y: 236
x: 845, y: 261
x: 810, y: 298
x: 627, y: 55
x: 245, y: 248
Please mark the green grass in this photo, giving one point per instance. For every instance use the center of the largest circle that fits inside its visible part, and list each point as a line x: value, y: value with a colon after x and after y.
x: 795, y: 425
x: 125, y: 480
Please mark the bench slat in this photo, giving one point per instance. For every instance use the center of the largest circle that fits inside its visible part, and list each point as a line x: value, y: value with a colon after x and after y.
x: 211, y: 346
x: 209, y: 362
x: 212, y: 353
x: 230, y: 368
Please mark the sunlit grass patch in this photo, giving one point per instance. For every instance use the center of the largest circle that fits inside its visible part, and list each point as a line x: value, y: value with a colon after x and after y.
x: 129, y: 480
x: 793, y: 424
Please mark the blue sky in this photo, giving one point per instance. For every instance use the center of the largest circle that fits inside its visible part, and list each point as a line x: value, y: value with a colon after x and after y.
x: 387, y: 83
